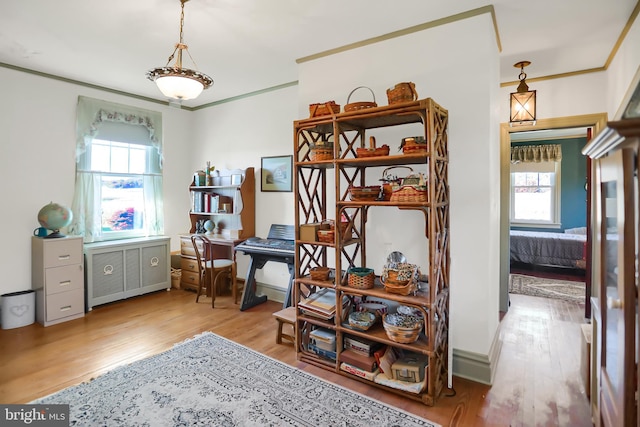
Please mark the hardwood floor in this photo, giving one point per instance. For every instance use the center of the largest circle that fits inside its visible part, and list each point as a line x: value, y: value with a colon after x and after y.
x: 537, y: 382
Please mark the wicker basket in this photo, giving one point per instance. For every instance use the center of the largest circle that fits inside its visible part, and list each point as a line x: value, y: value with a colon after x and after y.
x: 410, y: 193
x: 402, y: 92
x: 326, y: 236
x: 372, y: 151
x: 354, y: 106
x: 364, y: 194
x: 319, y: 273
x: 400, y: 334
x: 414, y: 145
x: 321, y: 153
x: 361, y: 278
x: 389, y: 180
x: 323, y: 109
x: 400, y: 287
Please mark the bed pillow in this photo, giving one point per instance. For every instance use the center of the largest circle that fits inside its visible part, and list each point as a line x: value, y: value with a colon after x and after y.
x: 577, y: 230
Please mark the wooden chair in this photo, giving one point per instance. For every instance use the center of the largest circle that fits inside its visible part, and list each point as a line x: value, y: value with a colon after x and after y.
x: 211, y: 270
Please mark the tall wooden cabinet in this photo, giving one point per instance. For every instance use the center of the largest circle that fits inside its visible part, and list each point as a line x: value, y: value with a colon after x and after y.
x: 322, y: 193
x: 615, y: 248
x: 57, y: 275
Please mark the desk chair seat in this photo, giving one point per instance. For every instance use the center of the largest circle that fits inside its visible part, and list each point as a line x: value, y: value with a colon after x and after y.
x: 211, y: 270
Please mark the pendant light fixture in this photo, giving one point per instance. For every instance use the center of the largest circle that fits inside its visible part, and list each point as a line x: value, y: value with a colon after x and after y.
x: 523, y: 101
x: 176, y: 82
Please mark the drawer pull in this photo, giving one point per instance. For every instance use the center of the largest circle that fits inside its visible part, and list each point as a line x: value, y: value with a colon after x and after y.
x: 65, y: 308
x: 108, y: 269
x: 154, y: 261
x: 64, y: 257
x: 65, y: 283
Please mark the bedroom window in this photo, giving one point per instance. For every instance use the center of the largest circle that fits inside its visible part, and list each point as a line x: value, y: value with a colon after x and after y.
x: 118, y: 190
x: 535, y: 192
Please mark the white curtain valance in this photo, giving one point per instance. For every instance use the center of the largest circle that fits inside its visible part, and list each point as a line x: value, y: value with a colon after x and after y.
x: 536, y: 153
x: 91, y: 112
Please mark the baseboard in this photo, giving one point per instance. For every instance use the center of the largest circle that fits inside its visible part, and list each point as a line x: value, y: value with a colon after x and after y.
x: 472, y: 366
x: 273, y: 293
x: 478, y: 367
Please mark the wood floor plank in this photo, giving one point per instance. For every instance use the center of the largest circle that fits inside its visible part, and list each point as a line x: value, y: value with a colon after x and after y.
x: 537, y: 380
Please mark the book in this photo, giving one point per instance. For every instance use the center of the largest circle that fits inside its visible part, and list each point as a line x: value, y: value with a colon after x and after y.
x: 360, y: 361
x: 321, y: 304
x: 359, y: 372
x: 361, y: 345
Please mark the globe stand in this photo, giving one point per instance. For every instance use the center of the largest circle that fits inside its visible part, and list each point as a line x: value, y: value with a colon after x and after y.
x: 56, y: 234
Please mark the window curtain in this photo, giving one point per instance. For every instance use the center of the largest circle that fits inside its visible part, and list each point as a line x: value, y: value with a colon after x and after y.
x: 90, y: 114
x: 536, y: 153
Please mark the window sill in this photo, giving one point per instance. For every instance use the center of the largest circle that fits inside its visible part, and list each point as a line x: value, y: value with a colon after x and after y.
x: 536, y: 225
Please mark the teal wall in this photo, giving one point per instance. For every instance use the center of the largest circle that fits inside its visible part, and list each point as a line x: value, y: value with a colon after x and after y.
x: 573, y: 196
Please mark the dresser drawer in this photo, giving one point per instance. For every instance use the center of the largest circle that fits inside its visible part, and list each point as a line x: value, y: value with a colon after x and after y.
x: 186, y: 246
x: 189, y: 264
x: 63, y: 279
x: 64, y: 304
x: 190, y: 278
x: 59, y: 252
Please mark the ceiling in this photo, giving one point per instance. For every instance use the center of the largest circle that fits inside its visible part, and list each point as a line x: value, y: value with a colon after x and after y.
x: 252, y: 45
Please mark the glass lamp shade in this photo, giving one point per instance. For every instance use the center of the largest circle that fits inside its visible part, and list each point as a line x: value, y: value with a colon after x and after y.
x: 180, y: 83
x: 523, y: 107
x: 178, y: 87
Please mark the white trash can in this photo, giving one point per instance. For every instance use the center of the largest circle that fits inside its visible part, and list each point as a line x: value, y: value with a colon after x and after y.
x: 18, y: 309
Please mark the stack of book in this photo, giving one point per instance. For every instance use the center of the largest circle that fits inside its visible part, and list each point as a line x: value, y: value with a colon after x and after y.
x: 322, y: 304
x: 358, y: 357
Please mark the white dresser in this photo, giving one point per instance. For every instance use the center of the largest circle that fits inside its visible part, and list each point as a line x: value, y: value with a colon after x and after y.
x: 57, y: 276
x: 122, y: 269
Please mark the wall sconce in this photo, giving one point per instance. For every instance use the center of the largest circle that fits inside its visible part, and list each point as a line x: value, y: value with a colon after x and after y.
x: 523, y: 101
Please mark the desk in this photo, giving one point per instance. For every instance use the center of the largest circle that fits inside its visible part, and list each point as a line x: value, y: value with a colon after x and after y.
x: 222, y: 248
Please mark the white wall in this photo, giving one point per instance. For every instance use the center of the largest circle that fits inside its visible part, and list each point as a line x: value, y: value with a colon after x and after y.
x: 37, y: 161
x: 457, y: 66
x: 237, y: 135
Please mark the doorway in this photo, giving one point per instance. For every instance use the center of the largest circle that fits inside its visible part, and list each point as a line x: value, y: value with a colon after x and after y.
x: 594, y: 121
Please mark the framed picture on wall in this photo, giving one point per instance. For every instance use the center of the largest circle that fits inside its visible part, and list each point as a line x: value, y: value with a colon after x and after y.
x: 276, y: 173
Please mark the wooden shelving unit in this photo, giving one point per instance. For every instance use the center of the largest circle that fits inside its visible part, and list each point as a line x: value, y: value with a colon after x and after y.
x: 321, y: 193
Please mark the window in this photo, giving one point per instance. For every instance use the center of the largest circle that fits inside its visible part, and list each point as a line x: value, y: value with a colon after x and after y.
x: 119, y: 172
x: 535, y: 194
x: 123, y: 167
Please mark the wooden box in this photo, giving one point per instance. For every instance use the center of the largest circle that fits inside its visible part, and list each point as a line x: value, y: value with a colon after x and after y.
x: 309, y: 232
x: 410, y: 368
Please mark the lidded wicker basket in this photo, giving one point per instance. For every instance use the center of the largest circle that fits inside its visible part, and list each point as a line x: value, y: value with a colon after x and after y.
x: 402, y: 92
x: 323, y: 109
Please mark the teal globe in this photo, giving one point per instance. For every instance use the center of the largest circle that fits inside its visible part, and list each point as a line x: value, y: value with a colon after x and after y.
x: 209, y: 226
x: 54, y: 217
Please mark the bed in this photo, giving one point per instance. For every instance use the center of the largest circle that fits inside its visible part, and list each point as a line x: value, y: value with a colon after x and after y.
x: 542, y: 248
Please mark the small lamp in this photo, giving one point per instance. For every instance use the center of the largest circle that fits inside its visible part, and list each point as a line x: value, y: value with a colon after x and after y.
x: 523, y: 101
x: 176, y: 82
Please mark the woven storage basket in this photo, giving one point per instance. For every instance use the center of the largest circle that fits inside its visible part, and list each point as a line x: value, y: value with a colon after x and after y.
x: 389, y: 180
x: 372, y: 151
x: 361, y: 278
x: 410, y: 193
x: 403, y: 287
x: 321, y: 153
x: 319, y: 273
x: 364, y: 194
x: 354, y: 106
x: 326, y: 236
x: 400, y: 334
x: 323, y: 109
x: 402, y: 92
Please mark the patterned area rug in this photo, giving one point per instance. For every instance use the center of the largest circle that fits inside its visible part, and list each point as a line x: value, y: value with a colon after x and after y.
x: 547, y: 288
x: 211, y: 381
